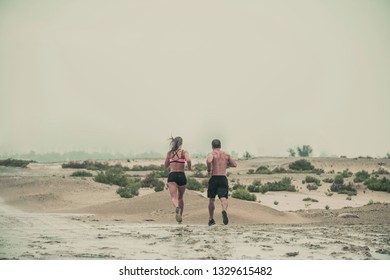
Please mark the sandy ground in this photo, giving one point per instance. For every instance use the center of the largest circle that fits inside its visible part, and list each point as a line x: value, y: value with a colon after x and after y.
x: 46, y: 214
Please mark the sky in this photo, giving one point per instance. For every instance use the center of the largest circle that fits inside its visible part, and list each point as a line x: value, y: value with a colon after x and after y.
x: 262, y: 76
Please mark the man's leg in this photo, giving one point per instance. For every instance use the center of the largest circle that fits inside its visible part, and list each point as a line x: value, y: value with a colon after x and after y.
x: 211, y: 211
x: 224, y: 203
x: 211, y: 207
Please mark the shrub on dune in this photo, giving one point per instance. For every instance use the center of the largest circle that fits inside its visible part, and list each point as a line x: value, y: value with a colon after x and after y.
x: 15, y: 162
x: 339, y: 187
x: 243, y: 194
x: 361, y: 176
x: 310, y: 179
x: 263, y: 170
x: 301, y: 165
x: 194, y: 185
x: 81, y: 174
x: 129, y: 190
x: 282, y: 185
x: 376, y: 184
x: 113, y: 176
x: 151, y: 181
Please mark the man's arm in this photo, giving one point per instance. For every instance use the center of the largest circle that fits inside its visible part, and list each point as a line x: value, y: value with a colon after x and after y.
x: 209, y: 162
x: 232, y: 162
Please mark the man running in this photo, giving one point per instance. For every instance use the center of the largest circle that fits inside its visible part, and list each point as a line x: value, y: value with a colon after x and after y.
x: 217, y: 162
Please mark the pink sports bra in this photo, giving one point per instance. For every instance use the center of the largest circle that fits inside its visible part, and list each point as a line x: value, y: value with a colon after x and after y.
x: 178, y: 159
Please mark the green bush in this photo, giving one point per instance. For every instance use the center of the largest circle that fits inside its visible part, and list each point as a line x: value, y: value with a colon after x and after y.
x: 159, y: 187
x: 238, y: 185
x: 130, y: 190
x: 263, y: 170
x: 318, y: 171
x: 75, y: 165
x: 15, y: 162
x: 150, y: 167
x: 205, y: 183
x: 200, y: 166
x: 348, y: 189
x: 310, y: 199
x: 312, y: 187
x: 253, y: 188
x: 243, y: 194
x: 161, y: 173
x: 283, y: 185
x: 279, y: 170
x: 81, y: 173
x: 93, y: 165
x: 301, y: 165
x: 198, y: 170
x: 380, y: 171
x: 113, y: 176
x: 328, y: 180
x: 376, y: 184
x: 310, y: 179
x: 361, y: 176
x: 152, y: 181
x: 346, y: 173
x: 256, y: 182
x: 195, y: 185
x: 338, y: 180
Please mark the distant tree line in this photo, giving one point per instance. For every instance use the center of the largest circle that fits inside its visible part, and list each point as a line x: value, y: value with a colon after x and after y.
x: 79, y: 155
x: 304, y: 151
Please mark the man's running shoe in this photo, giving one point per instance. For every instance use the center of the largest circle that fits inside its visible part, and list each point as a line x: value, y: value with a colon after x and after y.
x: 225, y: 217
x: 211, y: 222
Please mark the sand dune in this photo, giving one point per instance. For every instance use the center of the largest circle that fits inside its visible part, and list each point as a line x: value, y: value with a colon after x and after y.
x: 74, y: 195
x: 157, y: 207
x: 46, y: 214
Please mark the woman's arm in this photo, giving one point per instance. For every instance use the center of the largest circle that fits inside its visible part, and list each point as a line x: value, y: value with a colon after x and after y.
x: 166, y: 163
x: 188, y: 160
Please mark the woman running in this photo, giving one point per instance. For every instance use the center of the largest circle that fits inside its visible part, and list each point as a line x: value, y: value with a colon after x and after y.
x: 176, y: 160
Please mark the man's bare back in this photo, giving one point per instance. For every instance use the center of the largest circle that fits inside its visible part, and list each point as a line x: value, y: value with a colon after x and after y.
x: 218, y: 161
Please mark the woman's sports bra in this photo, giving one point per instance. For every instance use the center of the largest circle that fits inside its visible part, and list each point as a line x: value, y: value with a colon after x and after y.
x: 178, y: 159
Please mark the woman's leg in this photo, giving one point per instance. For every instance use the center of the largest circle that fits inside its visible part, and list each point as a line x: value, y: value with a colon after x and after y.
x: 181, y: 190
x: 173, y: 190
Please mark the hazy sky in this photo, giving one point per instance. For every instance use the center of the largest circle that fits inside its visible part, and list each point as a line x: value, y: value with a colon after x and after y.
x: 263, y: 76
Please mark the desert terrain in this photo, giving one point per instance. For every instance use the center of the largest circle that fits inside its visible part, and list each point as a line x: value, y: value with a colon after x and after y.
x: 47, y: 214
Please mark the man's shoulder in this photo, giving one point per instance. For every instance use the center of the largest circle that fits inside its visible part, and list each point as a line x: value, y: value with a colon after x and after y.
x: 224, y: 153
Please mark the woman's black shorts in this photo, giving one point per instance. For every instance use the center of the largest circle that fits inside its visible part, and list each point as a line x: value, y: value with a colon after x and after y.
x: 178, y: 177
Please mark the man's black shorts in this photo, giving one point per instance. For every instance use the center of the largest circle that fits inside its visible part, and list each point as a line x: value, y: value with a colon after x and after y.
x: 178, y: 177
x: 218, y: 185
